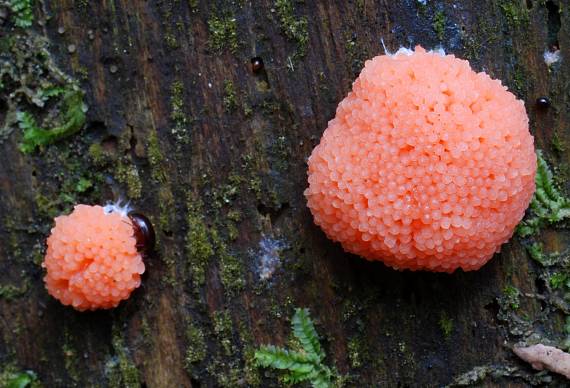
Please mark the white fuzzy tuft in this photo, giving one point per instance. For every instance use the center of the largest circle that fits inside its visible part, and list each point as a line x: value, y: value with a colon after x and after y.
x: 269, y: 256
x: 118, y: 207
x: 551, y: 57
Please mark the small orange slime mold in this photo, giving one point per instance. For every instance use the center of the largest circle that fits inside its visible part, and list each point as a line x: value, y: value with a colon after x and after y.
x: 427, y: 165
x: 92, y: 261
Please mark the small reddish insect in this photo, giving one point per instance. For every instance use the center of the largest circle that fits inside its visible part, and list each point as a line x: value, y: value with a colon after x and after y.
x: 256, y: 64
x: 143, y: 232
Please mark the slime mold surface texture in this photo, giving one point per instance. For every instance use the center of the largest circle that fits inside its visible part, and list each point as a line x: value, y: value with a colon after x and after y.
x: 92, y: 261
x: 427, y: 164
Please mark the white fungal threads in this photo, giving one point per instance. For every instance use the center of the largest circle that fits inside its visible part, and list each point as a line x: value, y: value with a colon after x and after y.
x: 406, y: 51
x: 269, y: 256
x: 118, y: 207
x: 551, y: 57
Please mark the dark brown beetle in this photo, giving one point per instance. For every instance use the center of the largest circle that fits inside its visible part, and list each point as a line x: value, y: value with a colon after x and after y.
x: 256, y: 64
x: 143, y: 231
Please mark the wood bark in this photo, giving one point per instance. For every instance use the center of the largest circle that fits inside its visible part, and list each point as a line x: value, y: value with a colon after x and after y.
x: 215, y: 154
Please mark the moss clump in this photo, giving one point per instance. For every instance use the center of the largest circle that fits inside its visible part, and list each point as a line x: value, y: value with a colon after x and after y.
x: 230, y: 99
x: 23, y: 12
x: 223, y: 330
x: 295, y: 29
x: 11, y: 292
x: 515, y: 14
x: 72, y: 120
x: 129, y: 175
x: 196, y: 351
x: 223, y: 33
x: 512, y: 297
x: 12, y: 377
x: 446, y: 325
x: 171, y: 41
x: 354, y: 353
x: 123, y: 373
x: 181, y: 121
x: 155, y: 157
x: 558, y: 144
x: 198, y: 247
x: 231, y: 269
x: 97, y: 154
x: 438, y: 24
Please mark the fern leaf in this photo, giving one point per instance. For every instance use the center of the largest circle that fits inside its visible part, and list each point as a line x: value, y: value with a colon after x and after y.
x: 305, y: 332
x: 279, y: 358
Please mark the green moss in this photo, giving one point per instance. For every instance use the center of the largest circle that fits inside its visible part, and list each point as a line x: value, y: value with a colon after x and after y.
x: 231, y: 269
x: 295, y: 29
x: 199, y: 250
x: 230, y: 99
x: 223, y: 33
x: 171, y: 41
x: 70, y: 357
x: 355, y: 52
x: 128, y: 376
x: 438, y: 24
x: 155, y: 157
x: 354, y: 352
x: 558, y: 280
x: 512, y: 297
x: 446, y: 325
x: 223, y: 330
x: 177, y: 114
x: 12, y: 377
x: 22, y: 12
x: 10, y: 292
x: 72, y: 120
x: 97, y: 154
x: 196, y: 350
x: 515, y: 13
x: 166, y: 207
x: 128, y: 174
x: 233, y: 216
x: 558, y: 144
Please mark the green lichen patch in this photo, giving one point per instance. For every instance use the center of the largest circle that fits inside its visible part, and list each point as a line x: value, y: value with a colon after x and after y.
x: 11, y: 292
x: 72, y: 120
x: 558, y: 143
x: 294, y: 28
x: 155, y: 158
x: 515, y: 13
x: 230, y: 98
x: 177, y: 113
x: 438, y: 24
x: 120, y: 369
x: 196, y: 351
x: 31, y: 82
x: 199, y: 250
x: 128, y: 174
x: 223, y: 33
x: 223, y: 330
x: 231, y: 268
x: 548, y: 206
x: 511, y: 297
x: 446, y: 325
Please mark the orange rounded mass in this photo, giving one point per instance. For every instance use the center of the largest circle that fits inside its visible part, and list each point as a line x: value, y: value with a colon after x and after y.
x: 427, y: 164
x: 92, y: 261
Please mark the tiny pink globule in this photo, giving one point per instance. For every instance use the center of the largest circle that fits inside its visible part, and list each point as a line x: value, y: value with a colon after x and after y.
x: 427, y: 164
x: 92, y: 260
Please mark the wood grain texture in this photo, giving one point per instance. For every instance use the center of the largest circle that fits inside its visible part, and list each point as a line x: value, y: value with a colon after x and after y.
x: 200, y: 143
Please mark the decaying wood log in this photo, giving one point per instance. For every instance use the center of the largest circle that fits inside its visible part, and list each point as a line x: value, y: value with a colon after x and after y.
x: 202, y: 114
